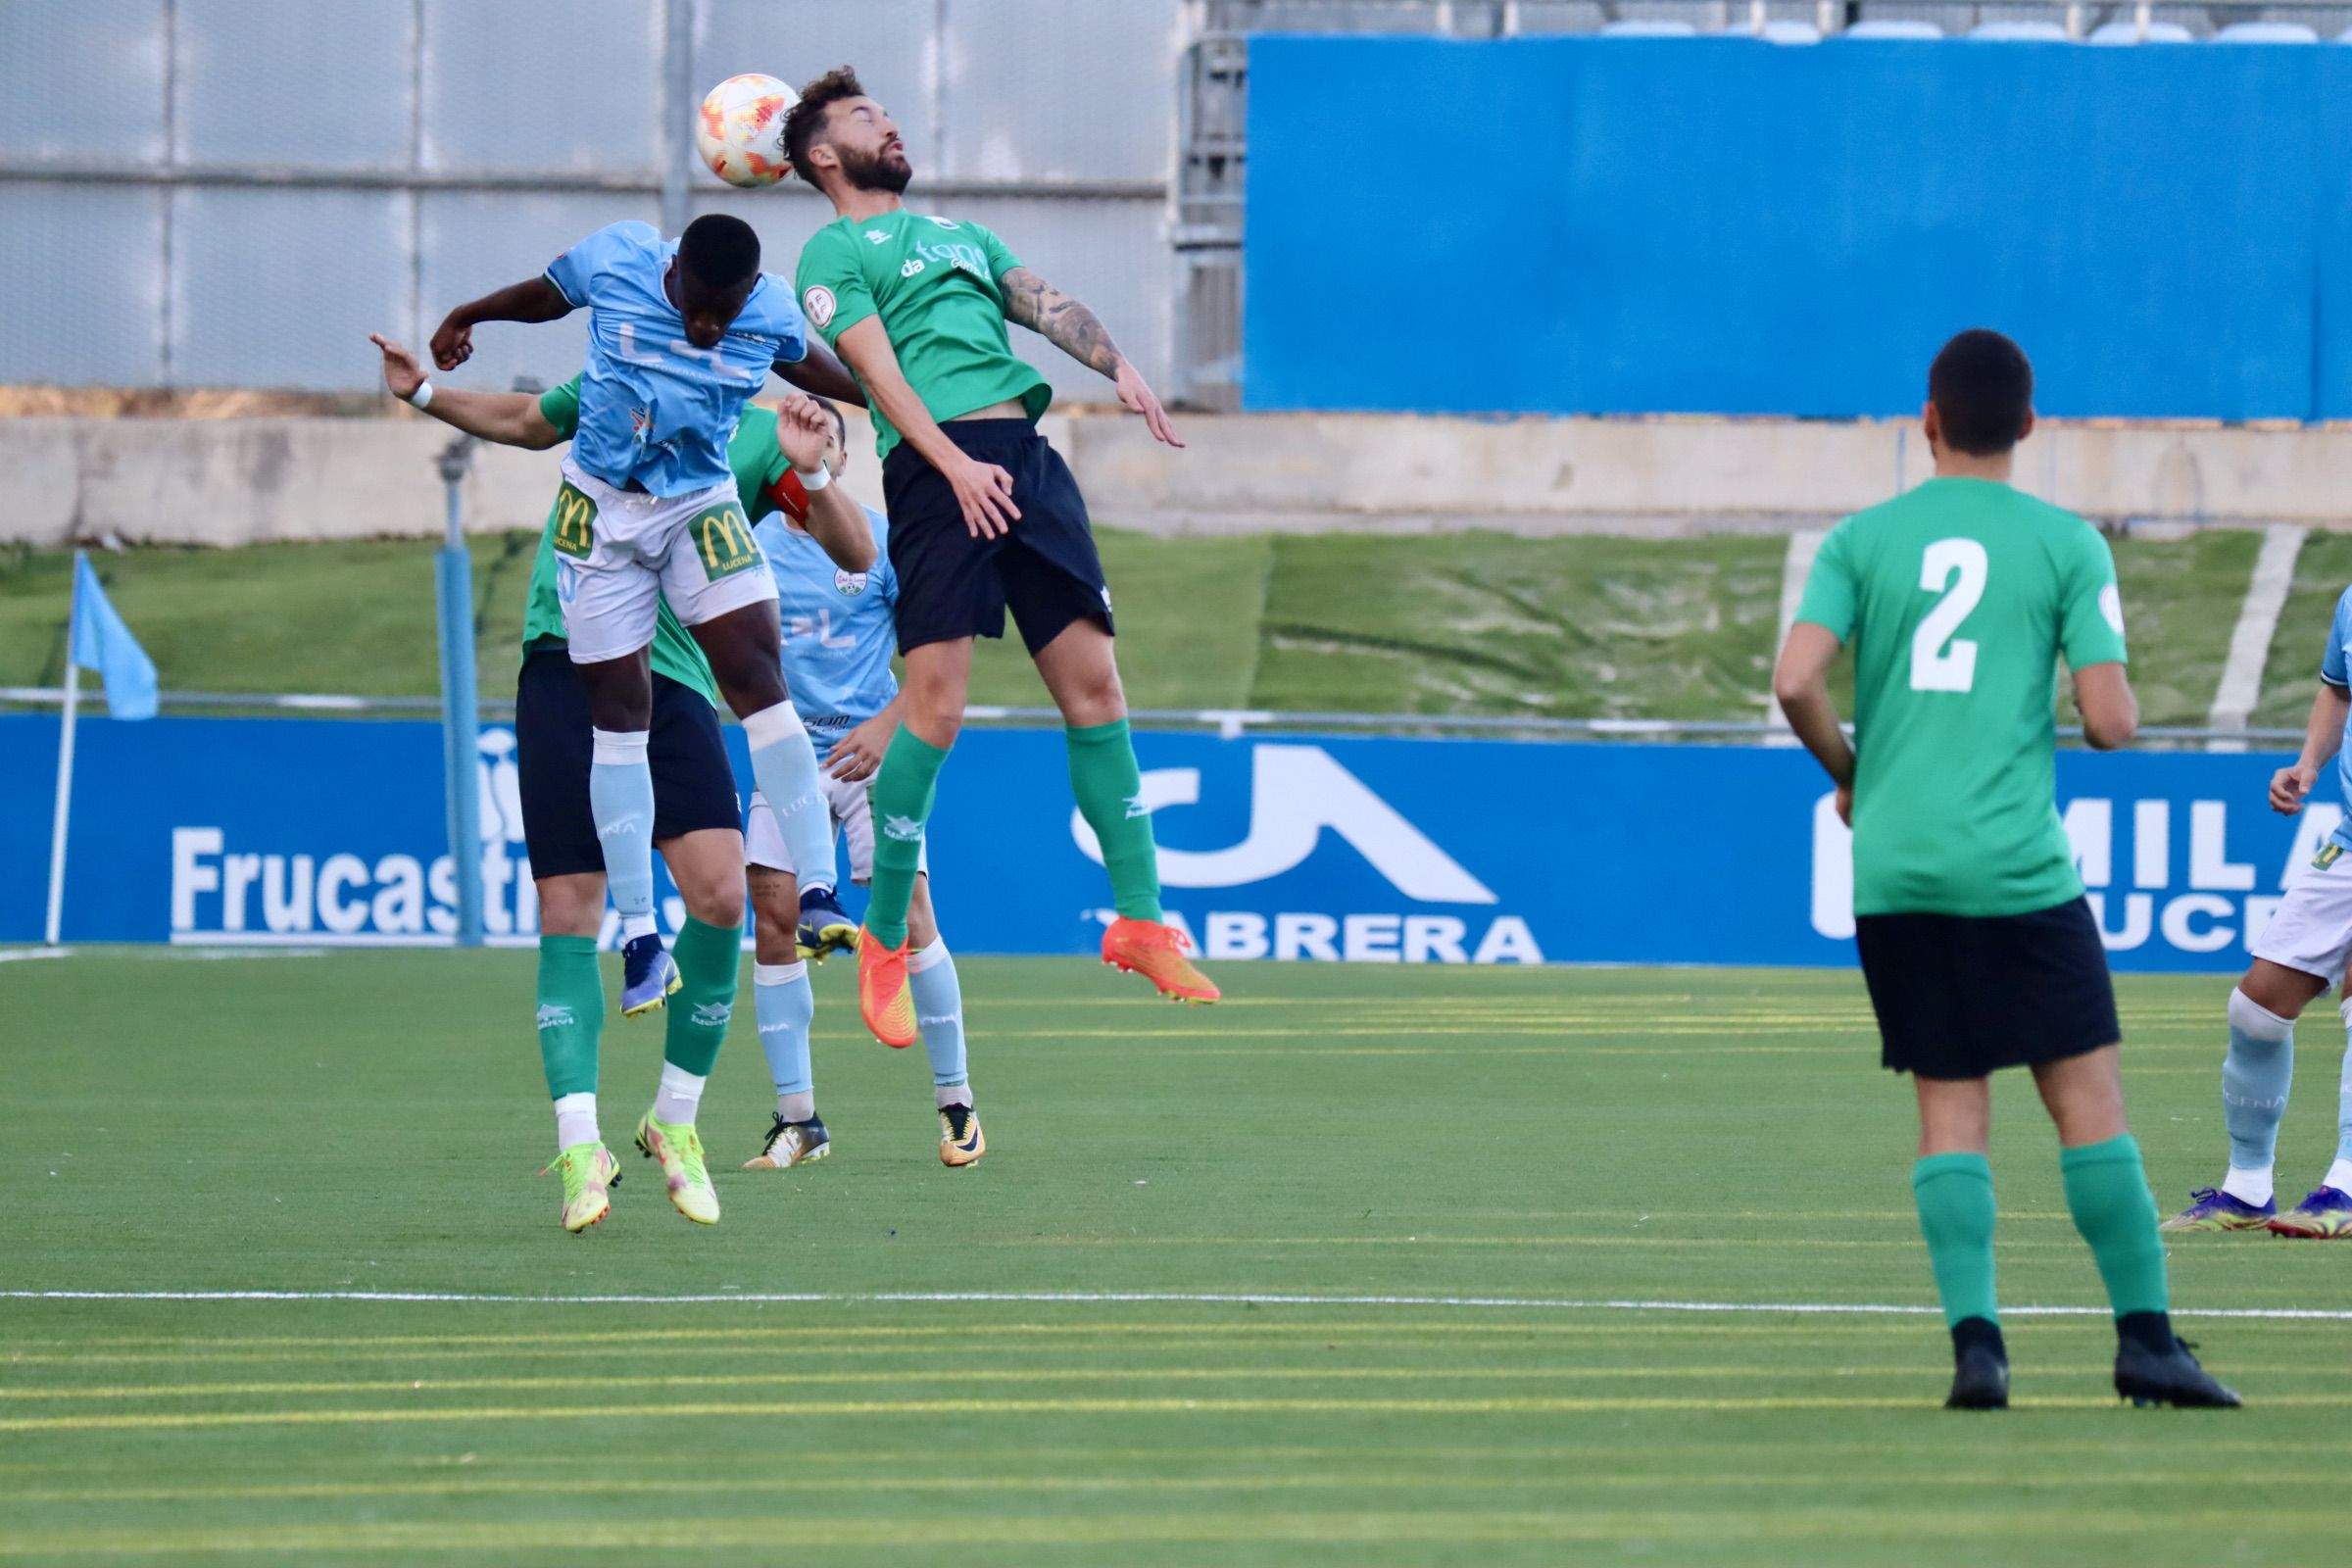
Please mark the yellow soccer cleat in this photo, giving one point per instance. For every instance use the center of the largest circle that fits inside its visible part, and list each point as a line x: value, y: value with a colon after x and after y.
x: 589, y: 1172
x: 1157, y: 953
x: 960, y: 1142
x: 680, y: 1151
x: 884, y: 1000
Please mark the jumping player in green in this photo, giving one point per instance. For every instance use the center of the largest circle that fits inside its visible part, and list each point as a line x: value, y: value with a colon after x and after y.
x: 1978, y: 947
x: 984, y: 518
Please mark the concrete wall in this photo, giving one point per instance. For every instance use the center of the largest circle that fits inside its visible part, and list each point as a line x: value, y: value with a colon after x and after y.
x: 244, y: 481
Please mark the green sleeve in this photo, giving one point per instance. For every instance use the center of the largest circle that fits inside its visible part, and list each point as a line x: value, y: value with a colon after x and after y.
x: 560, y: 405
x: 1830, y: 592
x: 1000, y: 260
x: 832, y: 286
x: 2091, y: 619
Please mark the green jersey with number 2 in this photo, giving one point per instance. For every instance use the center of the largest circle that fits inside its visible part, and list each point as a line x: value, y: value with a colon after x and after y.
x: 759, y: 466
x: 936, y: 282
x: 1958, y: 599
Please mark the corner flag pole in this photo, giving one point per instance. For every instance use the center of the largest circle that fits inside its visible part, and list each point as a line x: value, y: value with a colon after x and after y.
x: 65, y: 769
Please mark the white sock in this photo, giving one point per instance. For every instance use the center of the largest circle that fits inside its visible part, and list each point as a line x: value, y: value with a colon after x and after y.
x: 575, y: 1121
x: 2339, y: 1176
x: 797, y: 1108
x: 681, y: 1094
x: 2251, y: 1186
x: 633, y: 926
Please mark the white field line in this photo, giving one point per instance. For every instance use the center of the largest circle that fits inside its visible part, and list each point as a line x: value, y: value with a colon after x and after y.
x: 1804, y: 545
x: 1127, y: 1298
x: 2240, y: 686
x: 19, y: 954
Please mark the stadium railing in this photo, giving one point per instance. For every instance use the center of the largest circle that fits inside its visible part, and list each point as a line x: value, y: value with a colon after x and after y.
x: 1232, y: 723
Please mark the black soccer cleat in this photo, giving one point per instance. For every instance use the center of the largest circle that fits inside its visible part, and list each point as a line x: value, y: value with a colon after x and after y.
x: 2146, y: 1376
x: 791, y: 1143
x: 1979, y: 1367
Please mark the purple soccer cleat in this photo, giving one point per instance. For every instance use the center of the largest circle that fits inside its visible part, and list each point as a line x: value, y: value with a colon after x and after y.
x: 2211, y: 1209
x: 2326, y: 1215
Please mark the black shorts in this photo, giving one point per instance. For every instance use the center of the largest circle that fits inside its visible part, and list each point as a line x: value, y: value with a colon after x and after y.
x: 952, y: 585
x: 1962, y: 996
x: 555, y: 745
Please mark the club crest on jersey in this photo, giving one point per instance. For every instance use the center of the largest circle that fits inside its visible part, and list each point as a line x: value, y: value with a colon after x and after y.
x: 944, y: 222
x: 2328, y: 854
x: 641, y: 424
x: 850, y: 584
x: 820, y: 303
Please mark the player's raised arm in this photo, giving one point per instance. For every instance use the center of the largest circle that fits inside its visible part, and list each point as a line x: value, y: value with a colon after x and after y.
x: 534, y: 298
x: 805, y: 434
x: 983, y: 490
x: 1077, y: 331
x: 510, y: 418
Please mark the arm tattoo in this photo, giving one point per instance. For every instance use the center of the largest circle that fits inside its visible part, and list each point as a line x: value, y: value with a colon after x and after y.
x: 1059, y: 319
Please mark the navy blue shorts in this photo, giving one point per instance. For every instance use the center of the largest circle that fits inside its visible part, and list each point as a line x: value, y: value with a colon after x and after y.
x: 1963, y: 995
x: 555, y: 745
x: 952, y: 585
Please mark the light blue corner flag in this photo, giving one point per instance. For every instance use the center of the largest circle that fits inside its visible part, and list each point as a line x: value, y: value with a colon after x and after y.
x: 103, y: 642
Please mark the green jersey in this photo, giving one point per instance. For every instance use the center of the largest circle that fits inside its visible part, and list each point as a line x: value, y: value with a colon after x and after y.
x: 762, y: 480
x: 937, y: 285
x: 1958, y: 599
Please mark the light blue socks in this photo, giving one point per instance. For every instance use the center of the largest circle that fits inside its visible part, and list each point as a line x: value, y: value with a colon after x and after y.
x: 939, y: 1014
x: 620, y: 798
x: 784, y: 764
x: 785, y: 1005
x: 2255, y: 1078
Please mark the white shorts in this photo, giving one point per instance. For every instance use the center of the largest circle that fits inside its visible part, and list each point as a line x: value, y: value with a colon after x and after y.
x: 618, y: 552
x: 853, y: 817
x: 2311, y: 930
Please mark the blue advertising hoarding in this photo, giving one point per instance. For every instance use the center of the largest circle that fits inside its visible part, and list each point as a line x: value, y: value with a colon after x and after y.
x: 1303, y: 848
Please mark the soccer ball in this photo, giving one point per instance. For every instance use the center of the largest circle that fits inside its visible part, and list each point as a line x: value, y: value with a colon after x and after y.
x: 740, y: 131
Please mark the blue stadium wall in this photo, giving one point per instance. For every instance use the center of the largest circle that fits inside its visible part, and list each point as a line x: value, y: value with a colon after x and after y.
x: 285, y: 832
x: 1602, y: 225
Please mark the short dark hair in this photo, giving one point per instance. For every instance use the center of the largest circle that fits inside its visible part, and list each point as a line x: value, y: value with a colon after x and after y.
x: 718, y: 251
x: 841, y: 420
x: 1983, y: 387
x: 807, y: 117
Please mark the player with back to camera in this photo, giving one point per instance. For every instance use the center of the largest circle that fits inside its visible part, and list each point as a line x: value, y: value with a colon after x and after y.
x: 2302, y: 951
x: 1978, y: 947
x: 984, y: 517
x: 680, y: 335
x: 696, y: 815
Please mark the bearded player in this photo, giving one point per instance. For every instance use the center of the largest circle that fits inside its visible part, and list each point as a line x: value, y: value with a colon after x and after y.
x: 984, y: 518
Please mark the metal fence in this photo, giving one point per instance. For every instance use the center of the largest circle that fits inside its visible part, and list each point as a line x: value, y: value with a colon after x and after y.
x: 234, y: 192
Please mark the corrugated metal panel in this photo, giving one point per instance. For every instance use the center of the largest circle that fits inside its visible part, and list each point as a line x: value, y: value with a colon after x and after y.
x: 85, y: 285
x: 1064, y: 91
x: 523, y: 87
x: 281, y: 288
x: 280, y: 81
x: 82, y: 81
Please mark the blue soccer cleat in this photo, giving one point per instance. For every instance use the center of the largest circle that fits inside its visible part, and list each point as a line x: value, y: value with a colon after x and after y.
x: 2211, y: 1209
x: 2326, y: 1215
x: 647, y: 975
x: 825, y: 926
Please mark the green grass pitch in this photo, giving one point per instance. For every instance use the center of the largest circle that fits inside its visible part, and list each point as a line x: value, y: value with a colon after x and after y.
x: 372, y: 1122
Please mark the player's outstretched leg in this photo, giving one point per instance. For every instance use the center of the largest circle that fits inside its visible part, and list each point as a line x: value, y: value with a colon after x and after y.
x: 906, y: 788
x: 570, y: 1016
x: 939, y: 1012
x: 786, y: 1006
x: 2326, y: 1215
x: 621, y: 792
x: 707, y: 960
x: 2256, y: 1075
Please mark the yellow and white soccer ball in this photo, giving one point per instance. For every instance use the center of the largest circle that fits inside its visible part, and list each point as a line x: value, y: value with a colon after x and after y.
x: 740, y: 131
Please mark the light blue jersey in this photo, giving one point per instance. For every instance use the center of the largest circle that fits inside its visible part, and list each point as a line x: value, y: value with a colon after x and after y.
x: 2335, y: 668
x: 654, y: 408
x: 840, y: 627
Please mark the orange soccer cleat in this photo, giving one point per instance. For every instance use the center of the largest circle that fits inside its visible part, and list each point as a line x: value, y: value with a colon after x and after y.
x: 883, y: 1000
x: 1157, y: 953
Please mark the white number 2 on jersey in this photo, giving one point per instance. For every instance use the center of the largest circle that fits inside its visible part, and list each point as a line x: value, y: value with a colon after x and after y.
x: 1939, y: 661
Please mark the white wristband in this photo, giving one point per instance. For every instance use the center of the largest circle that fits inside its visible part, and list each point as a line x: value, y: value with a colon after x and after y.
x: 813, y: 480
x: 423, y: 395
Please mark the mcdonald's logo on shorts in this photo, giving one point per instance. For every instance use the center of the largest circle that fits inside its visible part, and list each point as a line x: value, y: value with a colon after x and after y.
x: 724, y: 542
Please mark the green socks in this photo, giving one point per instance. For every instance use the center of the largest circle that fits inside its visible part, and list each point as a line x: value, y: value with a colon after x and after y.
x: 710, y: 957
x: 571, y: 1013
x: 902, y: 793
x: 2107, y: 1192
x: 1111, y: 796
x: 1954, y: 1193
